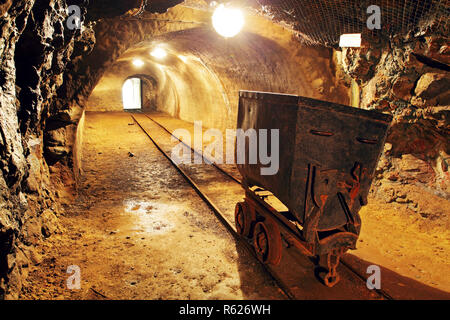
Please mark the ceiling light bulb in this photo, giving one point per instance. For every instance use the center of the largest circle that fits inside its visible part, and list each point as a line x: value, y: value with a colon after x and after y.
x: 138, y: 63
x: 158, y: 53
x: 228, y: 22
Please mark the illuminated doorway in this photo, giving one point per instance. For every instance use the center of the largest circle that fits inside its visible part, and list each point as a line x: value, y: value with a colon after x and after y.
x: 132, y: 94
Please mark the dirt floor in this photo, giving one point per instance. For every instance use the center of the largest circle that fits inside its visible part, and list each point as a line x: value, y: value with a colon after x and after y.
x: 137, y: 230
x: 401, y: 240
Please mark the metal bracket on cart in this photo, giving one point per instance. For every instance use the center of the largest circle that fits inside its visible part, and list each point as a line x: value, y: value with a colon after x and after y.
x: 333, y: 259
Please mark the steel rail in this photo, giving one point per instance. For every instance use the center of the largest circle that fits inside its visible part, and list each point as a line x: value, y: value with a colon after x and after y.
x: 208, y: 161
x: 229, y: 226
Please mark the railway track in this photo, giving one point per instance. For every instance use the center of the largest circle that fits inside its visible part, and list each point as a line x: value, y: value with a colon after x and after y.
x: 226, y: 221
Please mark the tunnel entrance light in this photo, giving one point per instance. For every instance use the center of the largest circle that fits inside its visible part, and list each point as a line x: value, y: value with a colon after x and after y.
x: 228, y: 22
x: 350, y: 40
x: 138, y: 63
x: 158, y: 53
x: 131, y: 94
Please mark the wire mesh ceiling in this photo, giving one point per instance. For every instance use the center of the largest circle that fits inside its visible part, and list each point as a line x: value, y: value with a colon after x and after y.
x: 323, y: 21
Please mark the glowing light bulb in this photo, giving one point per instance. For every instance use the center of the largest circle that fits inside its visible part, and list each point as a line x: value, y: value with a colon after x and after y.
x: 138, y: 63
x: 158, y: 53
x: 228, y: 22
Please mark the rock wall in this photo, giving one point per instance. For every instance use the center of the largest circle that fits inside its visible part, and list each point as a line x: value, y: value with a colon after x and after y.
x: 36, y: 49
x: 33, y: 52
x: 409, y: 78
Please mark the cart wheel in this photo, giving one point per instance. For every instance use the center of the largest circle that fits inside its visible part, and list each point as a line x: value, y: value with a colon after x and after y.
x: 243, y: 218
x: 267, y: 242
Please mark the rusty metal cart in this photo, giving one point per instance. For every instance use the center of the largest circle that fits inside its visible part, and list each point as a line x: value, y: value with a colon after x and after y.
x: 328, y: 155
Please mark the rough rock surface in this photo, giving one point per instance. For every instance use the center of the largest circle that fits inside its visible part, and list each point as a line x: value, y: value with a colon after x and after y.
x: 36, y: 48
x: 408, y: 77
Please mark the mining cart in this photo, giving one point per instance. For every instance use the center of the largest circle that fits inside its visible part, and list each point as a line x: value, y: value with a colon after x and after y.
x: 328, y: 154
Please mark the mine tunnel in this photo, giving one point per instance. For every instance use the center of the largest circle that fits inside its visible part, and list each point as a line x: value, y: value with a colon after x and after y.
x: 224, y: 150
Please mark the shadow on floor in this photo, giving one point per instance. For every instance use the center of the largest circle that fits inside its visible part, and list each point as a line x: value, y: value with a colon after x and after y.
x: 300, y: 274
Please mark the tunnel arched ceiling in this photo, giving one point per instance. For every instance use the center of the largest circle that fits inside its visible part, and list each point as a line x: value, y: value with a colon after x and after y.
x: 203, y: 72
x: 318, y: 22
x: 323, y: 21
